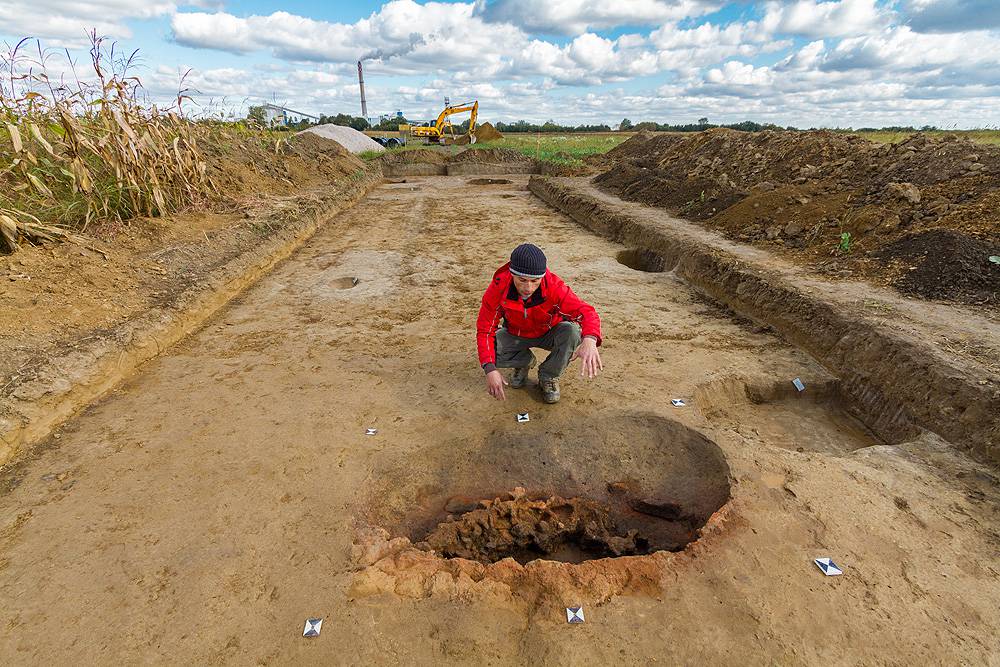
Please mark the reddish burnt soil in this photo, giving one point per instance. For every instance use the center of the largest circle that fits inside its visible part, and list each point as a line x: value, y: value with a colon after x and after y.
x: 573, y: 529
x: 802, y: 190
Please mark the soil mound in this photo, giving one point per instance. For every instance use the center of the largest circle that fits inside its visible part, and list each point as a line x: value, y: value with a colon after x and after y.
x: 348, y: 137
x: 804, y: 190
x: 486, y: 132
x: 244, y: 167
x: 645, y: 145
x: 943, y: 264
x: 491, y: 155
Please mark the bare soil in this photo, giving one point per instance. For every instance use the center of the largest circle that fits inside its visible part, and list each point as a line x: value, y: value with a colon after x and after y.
x: 899, y: 359
x: 214, y: 502
x: 801, y: 191
x: 486, y: 132
x: 61, y: 294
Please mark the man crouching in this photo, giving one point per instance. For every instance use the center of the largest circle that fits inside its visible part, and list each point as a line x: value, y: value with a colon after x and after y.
x: 537, y: 310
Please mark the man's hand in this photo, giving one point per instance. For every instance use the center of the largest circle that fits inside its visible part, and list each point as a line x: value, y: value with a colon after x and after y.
x: 494, y: 385
x: 589, y: 356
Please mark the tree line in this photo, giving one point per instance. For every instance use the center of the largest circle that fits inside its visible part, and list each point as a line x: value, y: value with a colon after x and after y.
x: 392, y: 123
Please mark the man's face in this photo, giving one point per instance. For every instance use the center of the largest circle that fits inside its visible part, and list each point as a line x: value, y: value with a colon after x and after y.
x: 526, y: 286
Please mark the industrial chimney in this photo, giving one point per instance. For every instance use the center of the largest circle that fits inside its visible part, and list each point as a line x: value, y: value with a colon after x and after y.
x: 361, y: 82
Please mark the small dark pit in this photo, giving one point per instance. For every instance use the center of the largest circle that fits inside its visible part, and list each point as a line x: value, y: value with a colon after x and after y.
x: 345, y: 283
x: 489, y: 181
x: 641, y: 259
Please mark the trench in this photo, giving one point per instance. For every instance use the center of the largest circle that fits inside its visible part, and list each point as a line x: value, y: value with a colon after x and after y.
x: 489, y: 181
x: 897, y: 384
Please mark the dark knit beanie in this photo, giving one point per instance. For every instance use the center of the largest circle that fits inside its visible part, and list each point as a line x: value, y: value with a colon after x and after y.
x: 527, y: 261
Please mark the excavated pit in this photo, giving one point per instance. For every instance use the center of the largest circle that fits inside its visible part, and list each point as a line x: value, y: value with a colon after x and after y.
x: 573, y: 490
x: 571, y: 530
x: 641, y: 259
x: 345, y: 283
x: 820, y: 418
x: 489, y: 181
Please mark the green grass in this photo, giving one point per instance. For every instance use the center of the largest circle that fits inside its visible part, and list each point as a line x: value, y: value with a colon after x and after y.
x: 563, y: 149
x: 558, y: 148
x: 568, y: 149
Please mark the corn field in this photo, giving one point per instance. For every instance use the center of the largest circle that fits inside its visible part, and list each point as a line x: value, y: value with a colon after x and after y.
x: 84, y: 147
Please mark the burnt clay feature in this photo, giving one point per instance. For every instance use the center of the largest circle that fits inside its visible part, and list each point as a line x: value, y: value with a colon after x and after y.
x: 570, y: 530
x: 641, y: 259
x: 575, y: 491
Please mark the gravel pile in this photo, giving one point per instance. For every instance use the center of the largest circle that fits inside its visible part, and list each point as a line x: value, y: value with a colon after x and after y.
x: 348, y: 137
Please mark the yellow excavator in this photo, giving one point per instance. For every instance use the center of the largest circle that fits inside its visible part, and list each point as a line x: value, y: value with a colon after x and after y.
x: 436, y: 133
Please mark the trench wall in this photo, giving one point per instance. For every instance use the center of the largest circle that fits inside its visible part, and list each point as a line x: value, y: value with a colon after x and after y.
x: 895, y: 380
x: 66, y: 384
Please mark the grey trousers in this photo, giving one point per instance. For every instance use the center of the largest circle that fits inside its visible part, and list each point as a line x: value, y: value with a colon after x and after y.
x: 561, y: 340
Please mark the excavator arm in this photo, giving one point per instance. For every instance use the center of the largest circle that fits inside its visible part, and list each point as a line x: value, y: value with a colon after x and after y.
x: 458, y: 108
x: 434, y: 132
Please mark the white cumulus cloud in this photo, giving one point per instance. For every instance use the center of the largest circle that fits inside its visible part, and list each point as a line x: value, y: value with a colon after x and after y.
x: 832, y: 18
x: 573, y: 17
x: 65, y: 22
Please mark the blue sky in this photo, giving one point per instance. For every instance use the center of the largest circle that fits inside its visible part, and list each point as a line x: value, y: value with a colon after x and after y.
x: 822, y: 63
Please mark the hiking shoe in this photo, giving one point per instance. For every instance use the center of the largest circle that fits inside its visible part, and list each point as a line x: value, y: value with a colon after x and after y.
x: 550, y: 390
x: 520, y: 375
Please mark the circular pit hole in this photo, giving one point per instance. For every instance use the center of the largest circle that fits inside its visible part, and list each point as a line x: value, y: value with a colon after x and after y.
x: 345, y: 283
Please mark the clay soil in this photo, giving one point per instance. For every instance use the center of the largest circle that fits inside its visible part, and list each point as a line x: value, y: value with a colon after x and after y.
x: 206, y: 508
x: 921, y: 214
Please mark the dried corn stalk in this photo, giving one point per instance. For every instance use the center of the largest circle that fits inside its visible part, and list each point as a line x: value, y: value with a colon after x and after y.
x: 71, y: 157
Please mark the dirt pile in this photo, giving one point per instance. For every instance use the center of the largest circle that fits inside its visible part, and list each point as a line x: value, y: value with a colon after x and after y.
x: 806, y: 190
x: 486, y: 132
x: 947, y: 263
x: 572, y: 530
x: 645, y: 145
x: 246, y: 168
x: 348, y: 137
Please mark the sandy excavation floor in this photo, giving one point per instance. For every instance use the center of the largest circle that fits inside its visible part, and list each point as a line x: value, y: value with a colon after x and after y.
x: 209, y: 506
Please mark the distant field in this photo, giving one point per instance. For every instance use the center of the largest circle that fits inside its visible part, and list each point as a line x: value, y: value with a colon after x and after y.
x: 559, y: 148
x: 570, y: 148
x: 980, y: 136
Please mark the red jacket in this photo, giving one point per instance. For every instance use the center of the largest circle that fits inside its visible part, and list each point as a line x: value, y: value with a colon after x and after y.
x: 553, y: 302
